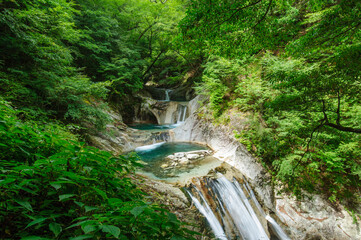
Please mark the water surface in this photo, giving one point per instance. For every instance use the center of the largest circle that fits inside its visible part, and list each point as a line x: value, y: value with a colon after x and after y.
x: 155, y: 155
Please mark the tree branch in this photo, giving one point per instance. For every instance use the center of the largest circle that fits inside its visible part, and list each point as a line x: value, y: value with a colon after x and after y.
x: 237, y: 11
x: 152, y: 64
x: 145, y: 30
x: 264, y: 15
x: 338, y: 108
x: 341, y: 33
x: 342, y: 128
x: 308, y: 144
x: 337, y: 126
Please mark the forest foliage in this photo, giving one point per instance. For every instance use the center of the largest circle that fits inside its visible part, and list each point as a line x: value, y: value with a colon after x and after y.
x: 297, y: 68
x: 62, y: 64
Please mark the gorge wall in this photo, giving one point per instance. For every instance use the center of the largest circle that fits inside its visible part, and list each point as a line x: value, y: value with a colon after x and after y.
x: 310, y: 218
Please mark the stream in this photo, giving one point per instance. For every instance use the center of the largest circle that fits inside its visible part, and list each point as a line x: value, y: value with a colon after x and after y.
x: 230, y: 207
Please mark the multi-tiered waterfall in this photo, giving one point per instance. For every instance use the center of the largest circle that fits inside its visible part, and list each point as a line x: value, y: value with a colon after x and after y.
x: 161, y: 111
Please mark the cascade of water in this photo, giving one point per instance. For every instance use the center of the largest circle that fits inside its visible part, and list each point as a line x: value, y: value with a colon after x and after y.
x: 167, y: 91
x: 207, y: 212
x: 233, y: 205
x: 182, y: 111
x: 277, y: 230
x: 240, y: 210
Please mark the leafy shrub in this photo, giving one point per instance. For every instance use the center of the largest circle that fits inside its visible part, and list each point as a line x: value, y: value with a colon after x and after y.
x: 219, y: 79
x: 54, y: 187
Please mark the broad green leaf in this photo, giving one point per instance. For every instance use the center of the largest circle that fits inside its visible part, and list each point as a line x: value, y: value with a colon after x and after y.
x: 55, y: 228
x: 36, y: 221
x: 172, y: 217
x: 80, y: 204
x: 65, y: 196
x: 138, y: 210
x: 115, y: 231
x: 55, y: 185
x: 82, y: 237
x: 80, y: 223
x: 25, y: 204
x: 89, y: 208
x: 89, y: 228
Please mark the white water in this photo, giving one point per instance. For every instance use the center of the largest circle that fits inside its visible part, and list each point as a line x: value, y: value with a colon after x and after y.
x: 209, y: 215
x: 167, y: 91
x: 240, y: 210
x: 182, y: 111
x: 235, y: 210
x: 148, y: 148
x: 277, y: 229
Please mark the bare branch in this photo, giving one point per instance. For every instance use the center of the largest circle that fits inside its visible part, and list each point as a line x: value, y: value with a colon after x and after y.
x: 237, y: 11
x: 264, y: 15
x: 145, y: 30
x: 342, y: 128
x: 338, y: 107
x: 308, y: 144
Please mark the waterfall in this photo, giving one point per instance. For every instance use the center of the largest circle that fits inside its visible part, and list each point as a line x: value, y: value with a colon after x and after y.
x: 207, y: 212
x: 182, y: 111
x: 148, y: 148
x: 167, y: 91
x: 277, y: 230
x: 232, y: 206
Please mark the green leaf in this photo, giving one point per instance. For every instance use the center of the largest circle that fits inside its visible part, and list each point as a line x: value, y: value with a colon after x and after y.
x: 33, y: 238
x: 25, y: 204
x: 55, y: 228
x: 36, y: 221
x: 82, y: 237
x: 172, y: 218
x: 89, y: 228
x: 80, y: 204
x: 176, y: 237
x: 115, y: 231
x: 55, y: 185
x: 137, y: 210
x: 89, y: 208
x: 101, y: 193
x: 65, y: 196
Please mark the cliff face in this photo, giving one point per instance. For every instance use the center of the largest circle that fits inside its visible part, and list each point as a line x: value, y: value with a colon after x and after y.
x: 312, y: 218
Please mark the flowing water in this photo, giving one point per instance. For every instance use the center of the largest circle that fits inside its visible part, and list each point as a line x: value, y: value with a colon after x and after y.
x: 153, y: 126
x: 167, y: 91
x: 182, y: 111
x: 235, y: 208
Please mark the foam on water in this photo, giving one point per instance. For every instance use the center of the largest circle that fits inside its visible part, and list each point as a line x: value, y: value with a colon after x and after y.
x: 148, y: 148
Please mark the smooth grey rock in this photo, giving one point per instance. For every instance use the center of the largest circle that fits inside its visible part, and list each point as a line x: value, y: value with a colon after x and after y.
x: 179, y: 154
x: 171, y: 157
x: 183, y: 160
x: 192, y: 156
